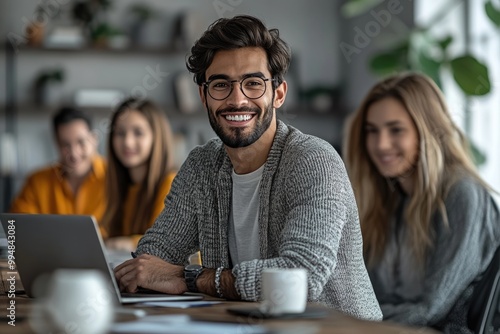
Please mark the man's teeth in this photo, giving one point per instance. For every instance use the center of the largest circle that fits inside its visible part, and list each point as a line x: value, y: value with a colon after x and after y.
x: 238, y: 118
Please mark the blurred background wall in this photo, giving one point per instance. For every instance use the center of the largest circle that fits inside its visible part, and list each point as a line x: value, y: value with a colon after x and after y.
x: 125, y: 56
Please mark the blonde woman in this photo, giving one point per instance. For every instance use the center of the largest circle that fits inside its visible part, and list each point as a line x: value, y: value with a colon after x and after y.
x: 140, y: 171
x: 429, y: 224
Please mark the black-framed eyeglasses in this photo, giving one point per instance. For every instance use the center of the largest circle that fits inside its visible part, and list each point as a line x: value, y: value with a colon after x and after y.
x: 252, y: 87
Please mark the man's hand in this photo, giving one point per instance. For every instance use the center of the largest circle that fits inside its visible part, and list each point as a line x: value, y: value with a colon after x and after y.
x: 150, y: 272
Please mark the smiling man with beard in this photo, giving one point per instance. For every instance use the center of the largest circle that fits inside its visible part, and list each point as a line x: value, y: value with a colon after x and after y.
x: 262, y: 195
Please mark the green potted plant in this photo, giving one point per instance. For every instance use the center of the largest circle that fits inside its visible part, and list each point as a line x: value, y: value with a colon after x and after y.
x: 103, y: 33
x: 140, y: 14
x: 92, y: 15
x: 48, y: 84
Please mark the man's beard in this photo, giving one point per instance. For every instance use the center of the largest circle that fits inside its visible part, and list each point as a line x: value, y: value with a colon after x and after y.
x: 236, y: 138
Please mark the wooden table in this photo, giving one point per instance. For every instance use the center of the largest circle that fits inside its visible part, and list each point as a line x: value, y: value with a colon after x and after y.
x: 334, y: 322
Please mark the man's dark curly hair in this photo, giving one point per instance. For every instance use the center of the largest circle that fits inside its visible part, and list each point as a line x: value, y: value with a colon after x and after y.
x: 237, y: 32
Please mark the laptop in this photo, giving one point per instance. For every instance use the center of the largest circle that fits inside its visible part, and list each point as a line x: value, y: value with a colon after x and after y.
x: 44, y: 243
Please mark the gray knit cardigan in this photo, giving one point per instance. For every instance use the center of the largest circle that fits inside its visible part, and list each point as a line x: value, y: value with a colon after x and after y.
x: 439, y: 295
x: 308, y: 218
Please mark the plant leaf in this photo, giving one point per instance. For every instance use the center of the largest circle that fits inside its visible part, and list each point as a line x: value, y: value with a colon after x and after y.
x: 430, y: 67
x: 354, y: 8
x: 386, y: 63
x: 445, y: 42
x: 492, y: 12
x: 471, y: 76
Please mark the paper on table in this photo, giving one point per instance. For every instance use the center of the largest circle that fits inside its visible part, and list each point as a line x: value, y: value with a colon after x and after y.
x: 181, y: 304
x: 180, y: 324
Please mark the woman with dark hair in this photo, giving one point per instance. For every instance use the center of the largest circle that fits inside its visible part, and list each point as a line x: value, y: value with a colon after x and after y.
x: 140, y: 171
x: 430, y: 226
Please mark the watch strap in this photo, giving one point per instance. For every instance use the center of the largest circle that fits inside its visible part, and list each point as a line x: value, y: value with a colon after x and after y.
x: 190, y: 277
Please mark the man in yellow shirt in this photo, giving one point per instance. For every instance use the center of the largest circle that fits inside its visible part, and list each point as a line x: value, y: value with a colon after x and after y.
x: 76, y: 183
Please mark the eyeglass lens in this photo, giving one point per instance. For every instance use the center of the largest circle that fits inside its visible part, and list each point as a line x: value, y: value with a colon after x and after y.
x: 252, y: 87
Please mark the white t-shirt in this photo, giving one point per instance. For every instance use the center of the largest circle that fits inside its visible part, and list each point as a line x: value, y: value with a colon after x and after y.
x: 243, y: 230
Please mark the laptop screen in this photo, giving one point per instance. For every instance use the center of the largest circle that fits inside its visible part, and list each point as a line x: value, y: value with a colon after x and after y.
x: 45, y: 243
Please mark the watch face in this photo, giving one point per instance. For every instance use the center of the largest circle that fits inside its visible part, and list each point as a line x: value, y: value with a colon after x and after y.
x: 193, y: 267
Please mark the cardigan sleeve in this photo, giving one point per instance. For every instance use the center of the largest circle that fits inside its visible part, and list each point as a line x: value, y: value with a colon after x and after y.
x: 461, y: 253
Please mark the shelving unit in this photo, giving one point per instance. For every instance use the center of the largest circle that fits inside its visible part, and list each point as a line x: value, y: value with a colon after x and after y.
x: 7, y: 181
x: 194, y: 126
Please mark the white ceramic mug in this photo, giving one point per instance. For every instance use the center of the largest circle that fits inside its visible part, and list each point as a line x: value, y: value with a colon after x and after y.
x: 283, y: 290
x: 77, y: 301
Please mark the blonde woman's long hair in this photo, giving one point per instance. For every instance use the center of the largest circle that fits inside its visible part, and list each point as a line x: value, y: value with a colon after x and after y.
x: 118, y: 179
x: 444, y: 156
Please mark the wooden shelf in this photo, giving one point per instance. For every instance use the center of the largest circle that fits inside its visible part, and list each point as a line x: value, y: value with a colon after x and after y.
x: 171, y: 112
